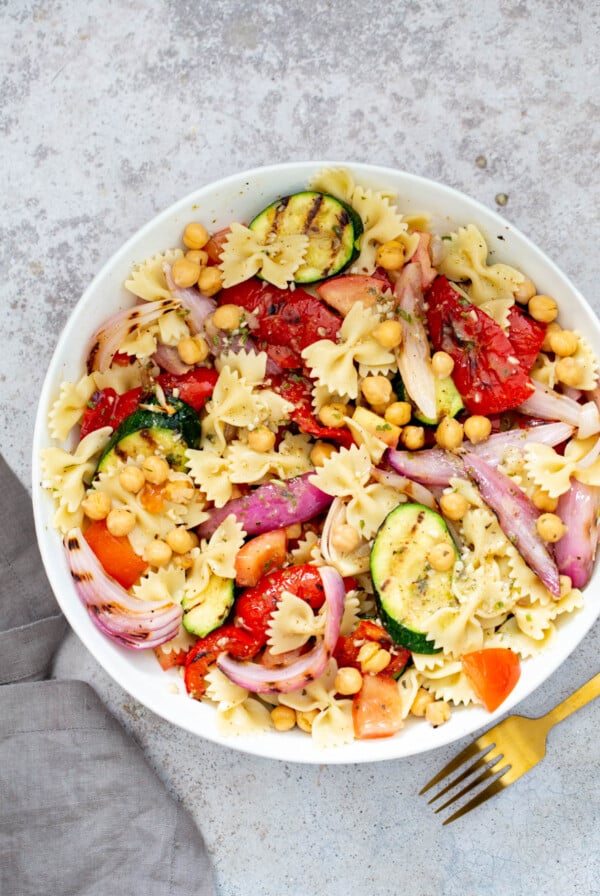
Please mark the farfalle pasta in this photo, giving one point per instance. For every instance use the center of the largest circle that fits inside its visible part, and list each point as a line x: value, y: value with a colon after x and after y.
x: 324, y: 460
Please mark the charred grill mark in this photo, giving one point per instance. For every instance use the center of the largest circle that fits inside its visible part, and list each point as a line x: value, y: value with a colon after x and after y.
x: 280, y: 213
x: 312, y: 212
x: 82, y: 577
x: 73, y: 543
x: 91, y: 360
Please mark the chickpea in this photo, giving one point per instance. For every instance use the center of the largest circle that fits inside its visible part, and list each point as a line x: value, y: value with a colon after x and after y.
x: 563, y: 343
x: 543, y: 501
x: 157, y: 553
x: 333, y: 414
x: 155, y: 469
x: 441, y: 557
x: 442, y: 364
x: 347, y: 681
x: 96, y: 505
x: 132, y: 479
x: 120, y: 521
x: 477, y: 428
x: 398, y: 413
x: 345, y: 538
x: 304, y: 720
x: 569, y: 371
x: 185, y: 273
x: 550, y: 527
x: 551, y: 329
x: 210, y: 281
x: 195, y: 235
x: 422, y: 700
x: 413, y: 437
x: 449, y: 433
x: 525, y: 291
x: 390, y: 256
x: 454, y: 505
x: 373, y: 658
x: 192, y: 349
x: 228, y: 317
x: 180, y: 540
x: 377, y: 390
x: 388, y: 333
x: 197, y: 256
x: 283, y: 718
x: 261, y: 439
x: 543, y: 308
x: 321, y: 452
x: 179, y: 490
x: 437, y: 713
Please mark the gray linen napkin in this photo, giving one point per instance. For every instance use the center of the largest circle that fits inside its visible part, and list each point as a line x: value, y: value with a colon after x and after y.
x: 81, y: 811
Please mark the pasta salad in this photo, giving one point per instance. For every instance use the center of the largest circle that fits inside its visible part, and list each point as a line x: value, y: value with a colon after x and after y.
x: 333, y: 467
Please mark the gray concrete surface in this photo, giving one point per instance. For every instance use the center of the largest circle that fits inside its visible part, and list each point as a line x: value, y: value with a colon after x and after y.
x: 110, y: 111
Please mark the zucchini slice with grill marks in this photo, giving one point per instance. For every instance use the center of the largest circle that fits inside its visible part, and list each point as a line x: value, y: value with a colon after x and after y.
x: 407, y: 588
x: 206, y: 611
x: 148, y: 431
x: 332, y: 227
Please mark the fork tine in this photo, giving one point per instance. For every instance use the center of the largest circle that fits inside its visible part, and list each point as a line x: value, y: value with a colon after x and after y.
x: 488, y: 773
x: 468, y: 753
x: 481, y: 762
x: 495, y: 787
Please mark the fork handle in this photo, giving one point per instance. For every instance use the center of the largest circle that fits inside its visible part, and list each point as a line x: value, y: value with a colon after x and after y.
x: 579, y: 698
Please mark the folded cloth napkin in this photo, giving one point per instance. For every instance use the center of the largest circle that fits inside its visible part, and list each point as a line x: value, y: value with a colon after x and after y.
x: 81, y: 811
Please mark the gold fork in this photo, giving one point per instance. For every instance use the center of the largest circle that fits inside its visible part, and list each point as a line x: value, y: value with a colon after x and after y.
x: 505, y: 752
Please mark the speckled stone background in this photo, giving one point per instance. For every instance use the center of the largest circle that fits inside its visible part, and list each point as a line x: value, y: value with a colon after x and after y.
x: 110, y: 111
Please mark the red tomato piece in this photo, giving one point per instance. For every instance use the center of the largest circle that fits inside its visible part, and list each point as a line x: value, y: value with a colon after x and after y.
x: 493, y: 673
x: 486, y: 372
x: 377, y: 708
x: 254, y: 607
x: 214, y: 246
x: 259, y: 556
x: 343, y: 292
x: 526, y: 336
x: 240, y: 644
x: 288, y: 320
x: 194, y: 387
x: 107, y: 408
x: 115, y: 553
x: 170, y: 659
x: 298, y: 391
x: 348, y: 647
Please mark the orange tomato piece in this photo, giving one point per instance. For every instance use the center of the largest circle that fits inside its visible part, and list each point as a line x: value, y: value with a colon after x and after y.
x: 259, y: 556
x: 493, y: 673
x: 343, y: 292
x: 377, y: 708
x: 115, y: 553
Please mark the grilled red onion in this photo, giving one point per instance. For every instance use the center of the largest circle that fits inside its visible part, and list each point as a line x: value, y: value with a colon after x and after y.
x: 575, y: 552
x: 494, y: 449
x: 413, y: 490
x: 517, y: 516
x: 550, y: 405
x: 134, y: 623
x: 430, y: 467
x: 309, y: 666
x: 273, y: 505
x: 196, y: 303
x: 167, y: 358
x: 107, y: 340
x: 413, y: 355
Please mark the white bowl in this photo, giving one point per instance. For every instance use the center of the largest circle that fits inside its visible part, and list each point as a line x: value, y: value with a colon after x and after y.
x: 238, y: 198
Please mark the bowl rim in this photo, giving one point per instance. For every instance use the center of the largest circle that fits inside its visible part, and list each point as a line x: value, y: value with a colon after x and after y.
x: 294, y: 746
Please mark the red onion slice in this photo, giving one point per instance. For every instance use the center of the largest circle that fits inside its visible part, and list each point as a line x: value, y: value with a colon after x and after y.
x: 517, y: 516
x: 167, y: 358
x: 413, y: 356
x: 271, y: 506
x: 131, y: 622
x: 575, y: 552
x: 550, y: 405
x: 431, y: 467
x: 309, y: 666
x: 107, y: 340
x: 196, y: 303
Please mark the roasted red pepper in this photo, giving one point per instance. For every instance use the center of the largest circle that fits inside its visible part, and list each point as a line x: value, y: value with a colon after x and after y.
x: 348, y: 647
x: 526, y: 336
x: 288, y: 320
x: 298, y: 391
x: 194, y: 387
x: 487, y: 372
x: 254, y: 607
x: 241, y: 644
x: 107, y: 408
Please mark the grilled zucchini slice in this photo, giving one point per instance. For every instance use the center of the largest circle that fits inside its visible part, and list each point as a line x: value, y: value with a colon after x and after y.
x: 149, y: 431
x: 408, y: 590
x: 332, y: 227
x: 207, y: 610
